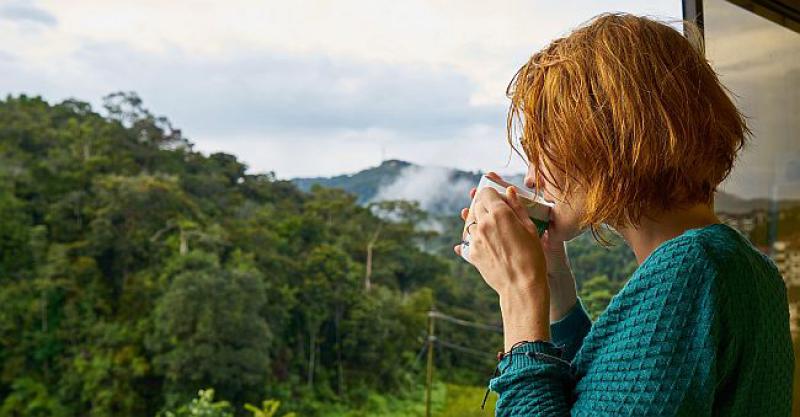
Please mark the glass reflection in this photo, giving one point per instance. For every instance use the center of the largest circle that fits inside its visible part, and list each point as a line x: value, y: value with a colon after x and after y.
x: 759, y: 61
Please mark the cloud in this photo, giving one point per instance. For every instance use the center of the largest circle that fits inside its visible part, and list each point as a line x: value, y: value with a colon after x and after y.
x: 305, y: 154
x: 306, y: 87
x: 262, y: 90
x: 433, y: 187
x: 436, y: 189
x: 25, y: 11
x: 296, y: 114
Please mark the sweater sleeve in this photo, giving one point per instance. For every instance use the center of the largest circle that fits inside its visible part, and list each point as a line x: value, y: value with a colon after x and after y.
x: 533, y: 381
x: 651, y: 353
x: 569, y: 331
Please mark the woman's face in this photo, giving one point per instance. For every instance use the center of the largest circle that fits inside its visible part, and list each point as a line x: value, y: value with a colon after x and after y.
x: 565, y: 217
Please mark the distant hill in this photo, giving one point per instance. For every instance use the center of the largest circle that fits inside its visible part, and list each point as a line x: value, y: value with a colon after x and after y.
x: 733, y: 204
x: 439, y: 190
x: 442, y: 190
x: 365, y: 184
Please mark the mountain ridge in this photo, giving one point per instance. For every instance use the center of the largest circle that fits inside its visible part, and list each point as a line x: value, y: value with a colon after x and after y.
x: 443, y: 190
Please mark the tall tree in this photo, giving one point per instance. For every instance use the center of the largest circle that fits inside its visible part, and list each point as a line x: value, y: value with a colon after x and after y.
x: 208, y: 330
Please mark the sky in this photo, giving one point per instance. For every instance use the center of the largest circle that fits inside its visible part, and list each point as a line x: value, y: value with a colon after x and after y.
x: 759, y: 62
x: 301, y: 88
x: 320, y: 88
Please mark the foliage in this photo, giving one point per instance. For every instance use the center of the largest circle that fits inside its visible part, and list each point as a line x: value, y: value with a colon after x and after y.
x: 203, y: 406
x: 464, y: 401
x: 135, y: 271
x: 596, y: 293
x: 269, y: 408
x: 589, y: 260
x: 223, y: 341
x: 30, y: 398
x: 447, y: 400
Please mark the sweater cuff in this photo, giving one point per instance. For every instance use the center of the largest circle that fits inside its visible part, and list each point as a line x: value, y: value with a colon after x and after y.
x: 531, y: 353
x: 576, y: 321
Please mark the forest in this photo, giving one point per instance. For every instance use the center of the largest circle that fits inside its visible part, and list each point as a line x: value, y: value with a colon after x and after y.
x: 139, y: 277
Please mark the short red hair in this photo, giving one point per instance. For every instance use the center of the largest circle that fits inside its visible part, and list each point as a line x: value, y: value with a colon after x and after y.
x: 629, y: 110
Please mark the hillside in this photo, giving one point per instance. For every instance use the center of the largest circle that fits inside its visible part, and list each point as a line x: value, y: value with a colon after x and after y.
x: 439, y: 190
x: 442, y: 190
x: 135, y: 271
x: 364, y: 184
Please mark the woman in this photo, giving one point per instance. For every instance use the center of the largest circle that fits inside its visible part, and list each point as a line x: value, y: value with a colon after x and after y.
x: 625, y: 124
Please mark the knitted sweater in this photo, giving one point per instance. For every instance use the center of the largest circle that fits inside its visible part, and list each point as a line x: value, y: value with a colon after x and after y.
x: 701, y: 328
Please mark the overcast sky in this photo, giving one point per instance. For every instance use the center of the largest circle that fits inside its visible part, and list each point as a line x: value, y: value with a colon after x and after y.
x: 300, y: 87
x: 759, y: 61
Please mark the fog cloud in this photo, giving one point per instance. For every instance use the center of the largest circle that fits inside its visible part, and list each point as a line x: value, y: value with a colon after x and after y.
x: 26, y: 12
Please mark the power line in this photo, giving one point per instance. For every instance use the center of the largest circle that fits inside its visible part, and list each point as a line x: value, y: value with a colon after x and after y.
x: 432, y: 339
x: 476, y: 325
x: 464, y: 349
x: 443, y: 306
x: 419, y: 355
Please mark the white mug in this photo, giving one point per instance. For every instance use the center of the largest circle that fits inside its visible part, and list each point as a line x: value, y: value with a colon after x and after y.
x: 538, y: 208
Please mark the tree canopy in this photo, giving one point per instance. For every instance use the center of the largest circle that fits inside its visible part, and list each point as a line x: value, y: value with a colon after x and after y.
x: 136, y: 271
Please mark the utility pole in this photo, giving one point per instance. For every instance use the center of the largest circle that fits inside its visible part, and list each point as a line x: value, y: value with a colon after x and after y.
x: 429, y: 380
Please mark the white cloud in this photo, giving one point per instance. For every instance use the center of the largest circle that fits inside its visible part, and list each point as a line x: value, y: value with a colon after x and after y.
x: 303, y: 154
x: 271, y: 81
x: 26, y: 12
x: 431, y: 186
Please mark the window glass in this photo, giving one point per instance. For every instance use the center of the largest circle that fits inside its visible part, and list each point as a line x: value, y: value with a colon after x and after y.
x: 759, y: 60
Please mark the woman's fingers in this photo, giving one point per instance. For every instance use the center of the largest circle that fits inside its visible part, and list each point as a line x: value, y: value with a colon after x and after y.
x: 519, y: 209
x: 513, y: 200
x: 472, y: 192
x: 457, y: 249
x: 498, y: 179
x: 482, y: 200
x: 468, y: 216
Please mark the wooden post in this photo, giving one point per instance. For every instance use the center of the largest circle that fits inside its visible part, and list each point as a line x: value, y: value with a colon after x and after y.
x: 429, y: 380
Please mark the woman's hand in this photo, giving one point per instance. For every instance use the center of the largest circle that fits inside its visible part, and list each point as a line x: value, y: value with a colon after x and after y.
x: 509, y: 257
x: 563, y: 289
x: 507, y: 252
x: 561, y: 281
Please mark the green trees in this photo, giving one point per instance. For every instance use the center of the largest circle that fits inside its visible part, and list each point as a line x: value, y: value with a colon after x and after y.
x: 600, y: 272
x: 203, y: 406
x: 328, y: 286
x: 208, y: 328
x: 597, y: 292
x: 15, y: 254
x: 135, y: 271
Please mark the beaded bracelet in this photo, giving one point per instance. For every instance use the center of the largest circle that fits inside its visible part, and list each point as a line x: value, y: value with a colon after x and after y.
x: 511, y: 353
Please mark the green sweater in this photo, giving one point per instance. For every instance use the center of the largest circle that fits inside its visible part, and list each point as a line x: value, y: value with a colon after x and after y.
x: 701, y: 328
